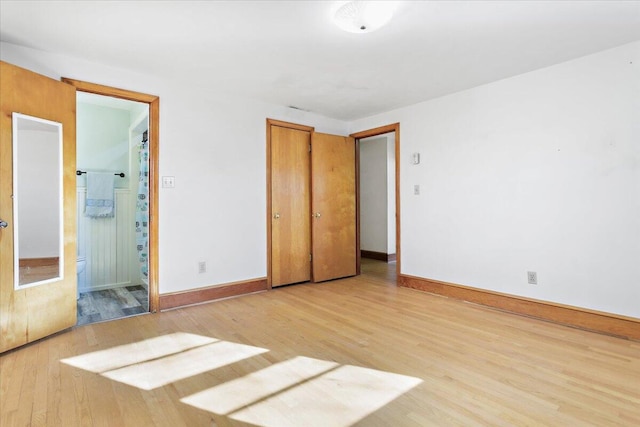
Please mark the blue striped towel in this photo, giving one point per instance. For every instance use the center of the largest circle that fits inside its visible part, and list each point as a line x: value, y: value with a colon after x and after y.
x: 100, y: 199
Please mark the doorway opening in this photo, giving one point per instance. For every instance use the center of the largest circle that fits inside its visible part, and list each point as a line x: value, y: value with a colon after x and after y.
x: 113, y: 241
x: 116, y: 149
x: 377, y: 197
x: 388, y: 135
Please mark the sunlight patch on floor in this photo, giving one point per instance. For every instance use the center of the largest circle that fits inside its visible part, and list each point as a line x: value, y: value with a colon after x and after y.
x: 238, y: 393
x: 159, y: 372
x: 339, y: 396
x: 137, y: 352
x: 301, y: 391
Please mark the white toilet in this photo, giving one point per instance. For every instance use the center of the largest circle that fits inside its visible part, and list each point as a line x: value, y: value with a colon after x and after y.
x: 81, y: 263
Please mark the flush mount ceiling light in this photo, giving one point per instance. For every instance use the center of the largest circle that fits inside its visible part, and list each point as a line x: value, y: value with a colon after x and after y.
x: 363, y: 16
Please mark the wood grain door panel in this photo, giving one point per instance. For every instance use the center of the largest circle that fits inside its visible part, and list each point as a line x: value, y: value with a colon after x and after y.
x: 333, y: 206
x: 290, y: 204
x: 31, y: 313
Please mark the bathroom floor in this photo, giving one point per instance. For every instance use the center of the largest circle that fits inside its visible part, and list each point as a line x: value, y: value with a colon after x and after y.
x: 107, y: 304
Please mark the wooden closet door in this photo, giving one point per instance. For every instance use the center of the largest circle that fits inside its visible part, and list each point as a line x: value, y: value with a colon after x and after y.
x: 333, y: 206
x: 290, y: 206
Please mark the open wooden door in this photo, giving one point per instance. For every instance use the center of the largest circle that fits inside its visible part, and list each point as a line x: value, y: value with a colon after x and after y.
x: 37, y: 148
x: 333, y: 206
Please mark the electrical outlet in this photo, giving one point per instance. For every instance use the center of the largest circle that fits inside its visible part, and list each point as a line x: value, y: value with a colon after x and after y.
x: 168, y: 182
x: 416, y: 189
x: 532, y: 277
x: 202, y: 267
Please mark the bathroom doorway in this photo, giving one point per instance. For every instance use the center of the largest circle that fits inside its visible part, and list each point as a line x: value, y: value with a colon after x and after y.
x: 112, y: 207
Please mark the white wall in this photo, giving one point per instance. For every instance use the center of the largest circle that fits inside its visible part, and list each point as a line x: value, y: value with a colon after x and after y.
x: 102, y: 141
x: 215, y: 146
x: 537, y: 172
x: 373, y: 194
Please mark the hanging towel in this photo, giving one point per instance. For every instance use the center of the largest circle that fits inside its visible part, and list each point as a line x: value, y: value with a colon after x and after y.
x: 99, y: 201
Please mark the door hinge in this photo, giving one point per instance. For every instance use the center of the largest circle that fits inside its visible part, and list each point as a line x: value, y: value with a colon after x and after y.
x: 310, y: 257
x: 309, y: 147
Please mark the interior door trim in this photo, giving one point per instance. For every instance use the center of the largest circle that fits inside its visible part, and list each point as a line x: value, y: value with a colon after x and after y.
x: 395, y: 127
x: 154, y: 155
x: 270, y: 123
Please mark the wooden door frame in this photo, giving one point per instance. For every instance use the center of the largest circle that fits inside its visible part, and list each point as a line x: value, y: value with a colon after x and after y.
x: 270, y: 123
x: 154, y: 151
x: 395, y: 127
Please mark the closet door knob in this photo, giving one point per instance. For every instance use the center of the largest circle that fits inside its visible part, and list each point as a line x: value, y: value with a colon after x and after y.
x: 316, y: 215
x: 3, y: 224
x: 276, y: 215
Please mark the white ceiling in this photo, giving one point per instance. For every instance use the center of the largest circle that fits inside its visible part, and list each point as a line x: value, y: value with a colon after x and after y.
x: 290, y: 53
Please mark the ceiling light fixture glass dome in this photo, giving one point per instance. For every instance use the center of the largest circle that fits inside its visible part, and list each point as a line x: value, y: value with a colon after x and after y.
x: 364, y: 16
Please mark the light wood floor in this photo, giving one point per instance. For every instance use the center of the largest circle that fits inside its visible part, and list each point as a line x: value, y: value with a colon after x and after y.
x: 358, y: 351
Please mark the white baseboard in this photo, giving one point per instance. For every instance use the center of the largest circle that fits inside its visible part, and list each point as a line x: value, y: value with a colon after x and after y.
x: 103, y: 287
